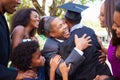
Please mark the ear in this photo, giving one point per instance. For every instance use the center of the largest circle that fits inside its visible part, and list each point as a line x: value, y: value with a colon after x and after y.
x: 52, y: 34
x: 68, y: 23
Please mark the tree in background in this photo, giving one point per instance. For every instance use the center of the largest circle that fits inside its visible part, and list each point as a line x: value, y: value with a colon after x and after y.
x: 51, y: 6
x: 53, y: 10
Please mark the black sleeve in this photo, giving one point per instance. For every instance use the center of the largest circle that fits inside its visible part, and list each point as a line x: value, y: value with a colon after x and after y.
x: 7, y: 74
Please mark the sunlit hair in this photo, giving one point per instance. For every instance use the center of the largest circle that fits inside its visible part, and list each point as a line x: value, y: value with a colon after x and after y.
x: 109, y: 6
x: 41, y: 29
x: 22, y: 17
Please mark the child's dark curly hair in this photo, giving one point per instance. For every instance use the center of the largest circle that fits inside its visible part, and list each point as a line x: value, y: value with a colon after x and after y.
x: 22, y: 55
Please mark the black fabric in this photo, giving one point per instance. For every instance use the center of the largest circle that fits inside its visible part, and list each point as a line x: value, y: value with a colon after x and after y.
x: 73, y: 10
x: 51, y: 49
x: 73, y: 7
x: 4, y: 41
x: 5, y: 73
x: 91, y: 65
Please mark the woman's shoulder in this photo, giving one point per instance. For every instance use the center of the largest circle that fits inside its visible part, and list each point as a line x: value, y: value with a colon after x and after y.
x: 19, y: 30
x: 19, y: 27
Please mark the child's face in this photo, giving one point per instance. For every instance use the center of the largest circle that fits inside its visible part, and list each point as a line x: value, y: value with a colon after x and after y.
x: 37, y: 59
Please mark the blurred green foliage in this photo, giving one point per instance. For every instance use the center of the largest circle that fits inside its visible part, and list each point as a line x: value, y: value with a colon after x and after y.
x: 28, y: 3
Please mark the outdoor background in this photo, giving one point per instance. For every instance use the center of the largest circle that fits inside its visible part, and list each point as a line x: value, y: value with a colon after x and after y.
x: 89, y: 16
x: 49, y: 7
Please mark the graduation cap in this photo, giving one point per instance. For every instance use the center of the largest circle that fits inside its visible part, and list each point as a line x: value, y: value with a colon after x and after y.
x: 73, y: 10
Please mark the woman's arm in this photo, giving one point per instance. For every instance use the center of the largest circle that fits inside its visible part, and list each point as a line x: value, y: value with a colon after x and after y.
x: 17, y: 36
x: 53, y: 65
x: 64, y: 70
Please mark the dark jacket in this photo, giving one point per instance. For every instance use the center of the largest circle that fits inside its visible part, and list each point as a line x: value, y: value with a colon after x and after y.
x: 51, y: 49
x: 91, y: 65
x: 5, y: 73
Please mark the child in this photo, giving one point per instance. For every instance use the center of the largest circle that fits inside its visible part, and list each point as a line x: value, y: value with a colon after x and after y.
x: 27, y: 56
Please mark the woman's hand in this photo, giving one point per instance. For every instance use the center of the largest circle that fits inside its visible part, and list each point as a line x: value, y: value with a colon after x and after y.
x: 27, y: 74
x: 64, y: 70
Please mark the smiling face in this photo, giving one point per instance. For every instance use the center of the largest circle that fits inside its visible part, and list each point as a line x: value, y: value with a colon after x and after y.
x: 10, y: 5
x: 37, y: 59
x: 34, y: 19
x: 116, y: 24
x: 59, y: 29
x: 102, y: 16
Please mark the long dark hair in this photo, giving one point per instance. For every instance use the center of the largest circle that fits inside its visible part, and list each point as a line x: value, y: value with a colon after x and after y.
x: 41, y: 29
x: 115, y: 39
x: 22, y: 17
x: 109, y: 12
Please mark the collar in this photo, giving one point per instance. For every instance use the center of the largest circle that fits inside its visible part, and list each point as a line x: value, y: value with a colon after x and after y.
x: 59, y: 40
x: 77, y: 26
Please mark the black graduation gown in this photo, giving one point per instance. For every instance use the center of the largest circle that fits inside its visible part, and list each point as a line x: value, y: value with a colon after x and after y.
x: 91, y: 65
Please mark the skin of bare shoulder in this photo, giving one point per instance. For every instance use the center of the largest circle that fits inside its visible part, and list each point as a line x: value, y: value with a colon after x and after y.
x: 17, y: 35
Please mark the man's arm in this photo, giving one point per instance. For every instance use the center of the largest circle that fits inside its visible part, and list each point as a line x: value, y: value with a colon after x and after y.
x: 76, y: 57
x: 7, y: 74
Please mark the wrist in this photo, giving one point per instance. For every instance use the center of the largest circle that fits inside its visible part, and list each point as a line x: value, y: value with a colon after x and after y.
x: 19, y: 75
x: 80, y: 48
x: 52, y: 70
x: 65, y: 76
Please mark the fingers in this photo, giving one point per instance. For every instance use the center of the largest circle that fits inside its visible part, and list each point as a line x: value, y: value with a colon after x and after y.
x: 31, y: 74
x: 97, y: 77
x: 102, y: 58
x: 64, y: 69
x: 56, y: 59
x: 76, y: 37
x: 51, y: 60
x: 28, y: 74
x: 82, y: 42
x: 89, y: 44
x: 54, y: 62
x: 84, y: 35
x: 69, y: 66
x: 88, y: 38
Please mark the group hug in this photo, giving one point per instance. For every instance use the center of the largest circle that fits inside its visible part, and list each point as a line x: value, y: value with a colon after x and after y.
x: 54, y: 48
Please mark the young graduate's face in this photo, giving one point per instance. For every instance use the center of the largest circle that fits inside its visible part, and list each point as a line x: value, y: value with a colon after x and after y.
x: 102, y: 16
x: 34, y: 19
x: 59, y: 29
x: 37, y: 59
x: 116, y: 24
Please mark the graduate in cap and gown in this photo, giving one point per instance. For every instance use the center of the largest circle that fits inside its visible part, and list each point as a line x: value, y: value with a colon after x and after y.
x: 91, y: 66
